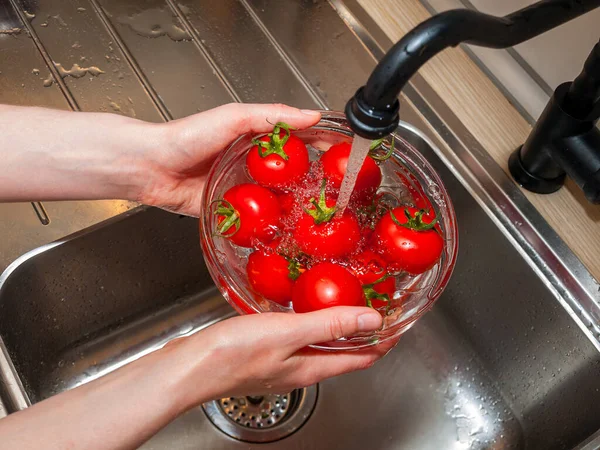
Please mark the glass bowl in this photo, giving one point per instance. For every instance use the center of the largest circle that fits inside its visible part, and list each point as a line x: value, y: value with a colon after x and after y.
x: 408, y: 179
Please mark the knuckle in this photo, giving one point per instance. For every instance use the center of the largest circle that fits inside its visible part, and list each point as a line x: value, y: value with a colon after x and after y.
x: 335, y: 328
x: 232, y: 107
x: 278, y: 111
x: 238, y: 113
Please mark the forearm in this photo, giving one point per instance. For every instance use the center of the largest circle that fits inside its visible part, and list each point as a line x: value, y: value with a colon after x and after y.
x: 57, y: 155
x: 118, y: 411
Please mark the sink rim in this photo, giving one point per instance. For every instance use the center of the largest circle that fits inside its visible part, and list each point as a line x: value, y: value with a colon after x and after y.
x: 13, y: 395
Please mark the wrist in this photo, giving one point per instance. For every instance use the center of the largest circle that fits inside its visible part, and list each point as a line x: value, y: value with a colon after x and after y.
x: 130, y: 161
x: 191, y: 374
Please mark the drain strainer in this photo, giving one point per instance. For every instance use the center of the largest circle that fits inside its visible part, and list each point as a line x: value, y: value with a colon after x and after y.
x: 264, y: 418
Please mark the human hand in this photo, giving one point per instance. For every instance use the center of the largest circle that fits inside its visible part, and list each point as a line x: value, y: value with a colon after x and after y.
x: 268, y: 353
x: 177, y: 168
x: 91, y: 156
x: 249, y: 355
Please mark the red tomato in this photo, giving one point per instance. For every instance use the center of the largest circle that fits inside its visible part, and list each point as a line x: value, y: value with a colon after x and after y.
x: 278, y: 159
x: 287, y: 202
x: 319, y: 232
x: 335, y: 161
x: 412, y: 245
x: 248, y: 214
x: 420, y: 199
x: 326, y: 285
x: 370, y: 267
x: 269, y: 275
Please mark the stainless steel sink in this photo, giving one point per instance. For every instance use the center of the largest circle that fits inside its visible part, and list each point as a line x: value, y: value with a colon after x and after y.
x: 498, y: 363
x: 508, y: 358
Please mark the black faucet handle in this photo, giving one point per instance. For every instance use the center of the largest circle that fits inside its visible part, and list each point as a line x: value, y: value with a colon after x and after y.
x: 583, y: 99
x: 565, y: 139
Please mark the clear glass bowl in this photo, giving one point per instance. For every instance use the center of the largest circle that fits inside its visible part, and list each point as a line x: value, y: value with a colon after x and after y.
x: 407, y: 176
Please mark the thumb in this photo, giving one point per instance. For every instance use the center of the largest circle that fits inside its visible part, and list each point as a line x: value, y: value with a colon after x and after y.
x: 334, y: 323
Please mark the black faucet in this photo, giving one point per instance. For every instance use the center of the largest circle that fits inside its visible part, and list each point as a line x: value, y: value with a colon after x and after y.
x: 565, y: 140
x: 374, y: 110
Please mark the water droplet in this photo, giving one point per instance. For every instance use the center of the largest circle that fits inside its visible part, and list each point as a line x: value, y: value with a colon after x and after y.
x: 13, y: 30
x: 154, y: 23
x: 115, y: 106
x: 59, y: 20
x: 77, y: 71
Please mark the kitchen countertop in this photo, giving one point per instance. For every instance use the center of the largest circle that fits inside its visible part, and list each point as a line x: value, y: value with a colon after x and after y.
x: 495, y: 123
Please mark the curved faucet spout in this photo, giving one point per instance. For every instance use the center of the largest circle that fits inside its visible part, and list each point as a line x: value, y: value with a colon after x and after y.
x: 374, y: 110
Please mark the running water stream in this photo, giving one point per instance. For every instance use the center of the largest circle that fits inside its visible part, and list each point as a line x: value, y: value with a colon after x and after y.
x: 360, y: 150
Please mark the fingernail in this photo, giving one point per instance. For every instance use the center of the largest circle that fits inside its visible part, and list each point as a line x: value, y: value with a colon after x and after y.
x: 310, y: 112
x: 369, y: 321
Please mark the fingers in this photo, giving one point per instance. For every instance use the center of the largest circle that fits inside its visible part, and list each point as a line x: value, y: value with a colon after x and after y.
x: 313, y: 366
x: 332, y: 323
x: 241, y: 118
x: 202, y: 135
x: 234, y: 119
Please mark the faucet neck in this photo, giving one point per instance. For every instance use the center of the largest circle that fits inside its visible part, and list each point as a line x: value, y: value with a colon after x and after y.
x: 373, y: 110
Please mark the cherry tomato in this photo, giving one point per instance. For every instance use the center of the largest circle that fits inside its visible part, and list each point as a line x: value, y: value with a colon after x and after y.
x: 369, y: 267
x: 319, y: 232
x: 269, y: 275
x: 278, y: 159
x: 326, y: 285
x: 248, y: 214
x: 420, y: 199
x: 335, y: 161
x: 287, y: 202
x: 409, y: 244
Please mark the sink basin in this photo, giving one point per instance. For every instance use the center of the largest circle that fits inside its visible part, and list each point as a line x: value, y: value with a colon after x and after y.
x: 497, y: 363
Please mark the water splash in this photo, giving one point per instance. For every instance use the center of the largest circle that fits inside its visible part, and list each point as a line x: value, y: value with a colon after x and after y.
x: 360, y: 150
x: 76, y: 71
x: 154, y: 23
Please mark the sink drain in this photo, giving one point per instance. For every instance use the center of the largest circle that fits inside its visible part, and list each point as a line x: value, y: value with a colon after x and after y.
x: 264, y: 418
